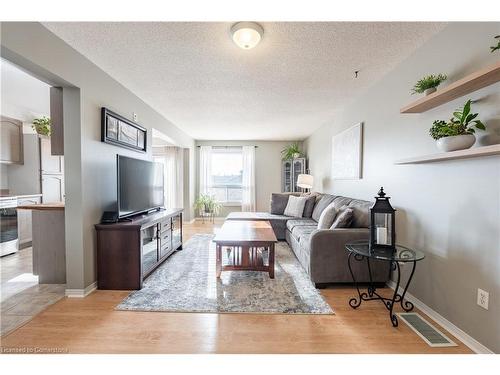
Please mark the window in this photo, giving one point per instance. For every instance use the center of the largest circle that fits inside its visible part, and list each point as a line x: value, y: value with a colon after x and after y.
x: 227, y: 174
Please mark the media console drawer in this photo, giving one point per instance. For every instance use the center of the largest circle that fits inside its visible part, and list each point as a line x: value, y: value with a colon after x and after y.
x: 129, y: 251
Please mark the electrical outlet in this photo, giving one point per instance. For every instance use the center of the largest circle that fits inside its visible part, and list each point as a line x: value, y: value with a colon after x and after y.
x: 483, y: 298
x: 135, y: 116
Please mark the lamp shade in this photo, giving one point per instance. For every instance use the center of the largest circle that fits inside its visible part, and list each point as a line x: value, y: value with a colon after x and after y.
x: 305, y: 181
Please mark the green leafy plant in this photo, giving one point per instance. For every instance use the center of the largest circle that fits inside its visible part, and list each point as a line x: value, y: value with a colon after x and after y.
x: 497, y: 47
x: 207, y: 203
x: 428, y: 82
x: 42, y: 125
x: 463, y: 122
x: 291, y: 151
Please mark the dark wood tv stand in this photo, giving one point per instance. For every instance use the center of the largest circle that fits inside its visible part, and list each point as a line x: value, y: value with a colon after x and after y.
x: 129, y: 251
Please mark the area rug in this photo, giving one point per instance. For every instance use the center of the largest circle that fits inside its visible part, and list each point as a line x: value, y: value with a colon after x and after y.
x: 186, y: 282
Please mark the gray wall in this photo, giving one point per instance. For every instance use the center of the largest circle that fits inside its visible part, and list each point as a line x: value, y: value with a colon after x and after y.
x: 267, y: 170
x: 89, y: 163
x: 450, y: 210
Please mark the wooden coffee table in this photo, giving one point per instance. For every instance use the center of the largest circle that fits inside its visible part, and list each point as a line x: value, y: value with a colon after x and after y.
x: 247, y: 241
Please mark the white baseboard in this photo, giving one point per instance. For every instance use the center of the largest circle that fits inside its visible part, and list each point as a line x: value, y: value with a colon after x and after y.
x: 189, y: 222
x: 468, y: 340
x: 80, y: 293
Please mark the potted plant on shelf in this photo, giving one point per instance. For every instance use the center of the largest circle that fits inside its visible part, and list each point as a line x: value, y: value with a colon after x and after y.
x: 206, y: 205
x: 428, y: 84
x: 497, y: 47
x: 458, y: 132
x: 42, y: 126
x: 292, y: 151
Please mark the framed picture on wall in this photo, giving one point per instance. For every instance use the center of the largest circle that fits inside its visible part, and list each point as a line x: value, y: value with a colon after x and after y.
x: 347, y: 153
x: 118, y: 130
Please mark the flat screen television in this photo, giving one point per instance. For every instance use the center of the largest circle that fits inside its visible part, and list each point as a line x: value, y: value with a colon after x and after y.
x: 140, y: 186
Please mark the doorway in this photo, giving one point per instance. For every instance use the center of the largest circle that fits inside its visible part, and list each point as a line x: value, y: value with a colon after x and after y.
x: 31, y: 173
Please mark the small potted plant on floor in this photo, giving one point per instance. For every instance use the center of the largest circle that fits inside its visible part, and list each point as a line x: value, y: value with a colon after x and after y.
x: 458, y: 132
x: 428, y: 84
x: 42, y: 126
x: 206, y: 205
x: 292, y: 151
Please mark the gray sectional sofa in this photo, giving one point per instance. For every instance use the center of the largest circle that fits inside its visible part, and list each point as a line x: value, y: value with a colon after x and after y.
x: 321, y: 252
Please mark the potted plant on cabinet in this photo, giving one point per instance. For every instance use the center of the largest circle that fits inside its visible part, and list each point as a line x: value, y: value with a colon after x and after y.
x: 42, y: 126
x: 428, y: 84
x: 292, y: 151
x: 458, y: 132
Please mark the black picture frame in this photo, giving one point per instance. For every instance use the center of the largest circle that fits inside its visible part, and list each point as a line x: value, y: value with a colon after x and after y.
x: 120, y: 131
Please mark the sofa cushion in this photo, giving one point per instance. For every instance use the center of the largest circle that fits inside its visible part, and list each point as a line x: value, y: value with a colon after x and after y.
x: 303, y: 230
x: 295, y: 206
x: 361, y: 213
x: 343, y: 219
x: 325, y: 200
x: 292, y: 223
x: 279, y: 202
x: 327, y: 216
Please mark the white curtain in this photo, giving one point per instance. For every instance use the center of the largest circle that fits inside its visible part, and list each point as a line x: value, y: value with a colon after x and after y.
x: 172, y: 160
x: 205, y: 169
x: 248, y: 181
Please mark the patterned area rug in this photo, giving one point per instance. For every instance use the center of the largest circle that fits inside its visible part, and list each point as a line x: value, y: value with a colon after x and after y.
x: 186, y: 282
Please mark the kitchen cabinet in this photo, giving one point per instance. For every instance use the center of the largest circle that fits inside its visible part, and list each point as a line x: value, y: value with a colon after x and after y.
x: 52, y: 173
x: 11, y: 135
x: 52, y: 188
x: 24, y: 220
x: 50, y: 164
x: 56, y: 118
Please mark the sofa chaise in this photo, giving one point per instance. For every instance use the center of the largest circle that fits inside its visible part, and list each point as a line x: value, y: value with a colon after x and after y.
x: 321, y: 252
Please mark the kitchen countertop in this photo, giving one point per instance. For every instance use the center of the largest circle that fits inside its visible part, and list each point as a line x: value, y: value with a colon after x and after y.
x: 22, y: 196
x: 43, y: 206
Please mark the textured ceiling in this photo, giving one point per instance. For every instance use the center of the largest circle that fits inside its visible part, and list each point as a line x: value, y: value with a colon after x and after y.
x: 293, y: 82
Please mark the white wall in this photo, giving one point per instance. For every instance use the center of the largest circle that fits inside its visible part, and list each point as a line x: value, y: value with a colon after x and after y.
x: 90, y: 168
x: 24, y: 98
x: 267, y: 170
x: 450, y: 210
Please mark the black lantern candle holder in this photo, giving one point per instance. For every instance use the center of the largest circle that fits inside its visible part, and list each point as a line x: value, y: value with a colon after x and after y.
x: 382, y: 223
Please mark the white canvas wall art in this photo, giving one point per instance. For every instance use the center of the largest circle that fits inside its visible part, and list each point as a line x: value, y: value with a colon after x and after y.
x: 347, y: 153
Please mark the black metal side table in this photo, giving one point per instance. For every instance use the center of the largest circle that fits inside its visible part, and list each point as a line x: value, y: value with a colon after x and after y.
x: 360, y: 250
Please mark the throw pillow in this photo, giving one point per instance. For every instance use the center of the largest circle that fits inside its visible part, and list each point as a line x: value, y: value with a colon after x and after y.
x: 278, y: 203
x: 344, y: 218
x: 309, y: 206
x: 295, y: 206
x: 327, y: 217
x: 325, y: 200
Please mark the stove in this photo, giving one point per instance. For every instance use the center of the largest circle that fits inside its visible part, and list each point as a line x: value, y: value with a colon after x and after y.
x: 8, y: 226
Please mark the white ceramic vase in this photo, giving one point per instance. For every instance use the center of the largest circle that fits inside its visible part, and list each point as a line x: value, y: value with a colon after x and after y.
x: 457, y: 142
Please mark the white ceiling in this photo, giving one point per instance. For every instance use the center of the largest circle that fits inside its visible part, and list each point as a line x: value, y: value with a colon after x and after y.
x: 293, y: 82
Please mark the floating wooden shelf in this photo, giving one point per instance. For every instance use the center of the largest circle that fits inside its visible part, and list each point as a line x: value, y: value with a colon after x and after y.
x: 471, y: 83
x: 461, y: 154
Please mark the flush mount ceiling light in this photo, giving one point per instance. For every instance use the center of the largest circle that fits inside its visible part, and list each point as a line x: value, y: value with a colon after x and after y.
x: 247, y: 35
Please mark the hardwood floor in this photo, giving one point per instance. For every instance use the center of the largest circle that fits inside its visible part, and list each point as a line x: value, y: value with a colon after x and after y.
x: 91, y: 325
